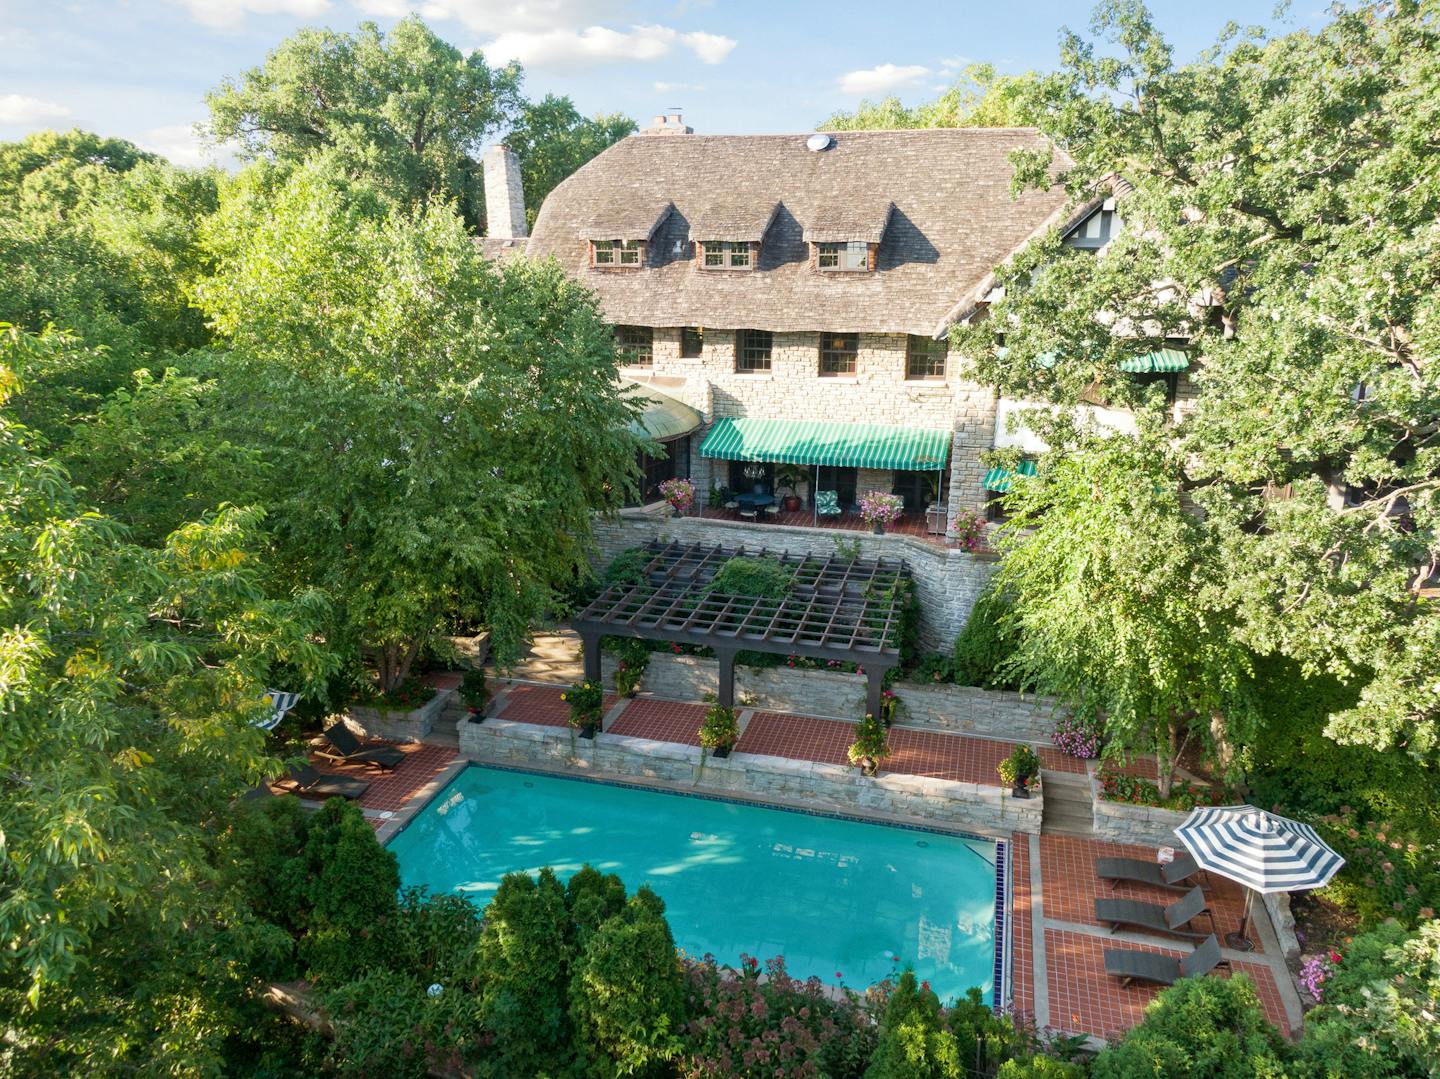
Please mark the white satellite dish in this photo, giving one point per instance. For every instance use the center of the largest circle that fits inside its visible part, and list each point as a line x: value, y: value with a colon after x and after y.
x: 819, y: 142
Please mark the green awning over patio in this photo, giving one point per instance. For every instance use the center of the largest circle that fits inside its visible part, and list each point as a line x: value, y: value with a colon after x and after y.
x: 663, y: 417
x: 1166, y: 361
x: 843, y: 445
x: 999, y: 479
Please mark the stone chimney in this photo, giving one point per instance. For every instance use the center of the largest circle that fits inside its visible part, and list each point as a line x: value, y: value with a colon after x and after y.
x: 669, y: 124
x: 504, y: 196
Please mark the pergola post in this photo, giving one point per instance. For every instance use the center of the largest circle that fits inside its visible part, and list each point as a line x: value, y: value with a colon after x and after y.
x: 591, y: 641
x: 874, y: 685
x: 726, y: 692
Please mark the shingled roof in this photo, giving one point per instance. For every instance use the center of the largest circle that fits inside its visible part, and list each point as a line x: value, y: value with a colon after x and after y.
x: 940, y: 196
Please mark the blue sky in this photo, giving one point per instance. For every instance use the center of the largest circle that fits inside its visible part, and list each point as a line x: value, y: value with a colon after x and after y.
x: 140, y: 68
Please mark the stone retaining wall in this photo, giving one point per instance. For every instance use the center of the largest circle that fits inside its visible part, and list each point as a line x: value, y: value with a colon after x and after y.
x: 395, y: 725
x: 947, y: 580
x: 916, y: 799
x: 1121, y: 822
x: 994, y: 713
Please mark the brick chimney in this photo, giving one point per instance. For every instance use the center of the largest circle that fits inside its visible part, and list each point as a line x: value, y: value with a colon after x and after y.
x: 504, y: 196
x: 668, y: 124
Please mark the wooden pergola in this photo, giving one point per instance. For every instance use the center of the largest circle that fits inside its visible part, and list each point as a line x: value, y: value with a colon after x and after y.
x: 849, y: 610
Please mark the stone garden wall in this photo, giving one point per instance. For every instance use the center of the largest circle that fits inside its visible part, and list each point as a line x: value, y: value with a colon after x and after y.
x: 1147, y: 826
x: 915, y: 799
x: 395, y: 725
x: 947, y: 580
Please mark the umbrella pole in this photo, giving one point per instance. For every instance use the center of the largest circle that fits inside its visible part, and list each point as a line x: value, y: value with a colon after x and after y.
x: 1238, y: 939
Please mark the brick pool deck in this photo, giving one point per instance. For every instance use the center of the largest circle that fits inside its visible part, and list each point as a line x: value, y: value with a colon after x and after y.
x: 1057, y: 965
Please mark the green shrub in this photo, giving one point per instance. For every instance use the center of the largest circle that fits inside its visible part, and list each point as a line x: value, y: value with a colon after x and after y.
x: 985, y: 644
x: 523, y: 974
x: 627, y: 567
x: 627, y: 1002
x: 592, y: 898
x: 1038, y: 1067
x: 1380, y: 1009
x: 474, y: 690
x: 914, y: 1043
x: 934, y: 667
x: 262, y: 849
x: 632, y: 658
x: 1199, y: 1028
x: 760, y: 578
x: 387, y: 1025
x: 720, y: 728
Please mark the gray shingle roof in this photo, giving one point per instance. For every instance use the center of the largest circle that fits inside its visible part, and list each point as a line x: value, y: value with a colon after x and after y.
x: 734, y: 218
x: 838, y: 223
x: 625, y: 218
x: 953, y: 220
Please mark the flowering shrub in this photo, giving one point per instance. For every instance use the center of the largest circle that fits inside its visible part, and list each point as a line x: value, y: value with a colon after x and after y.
x: 881, y: 508
x: 1390, y: 871
x: 968, y: 530
x: 888, y: 704
x: 1314, y: 971
x: 632, y: 658
x: 1118, y: 787
x: 756, y: 1028
x: 1077, y: 737
x: 679, y: 493
x: 720, y: 728
x: 411, y: 693
x: 584, y: 699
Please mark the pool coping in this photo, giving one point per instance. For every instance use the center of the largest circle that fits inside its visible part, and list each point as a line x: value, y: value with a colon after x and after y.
x: 1000, y: 971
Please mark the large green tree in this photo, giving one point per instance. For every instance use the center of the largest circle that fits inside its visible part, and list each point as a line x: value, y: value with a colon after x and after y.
x: 1280, y: 199
x: 404, y: 108
x: 981, y: 97
x: 437, y: 431
x: 552, y: 140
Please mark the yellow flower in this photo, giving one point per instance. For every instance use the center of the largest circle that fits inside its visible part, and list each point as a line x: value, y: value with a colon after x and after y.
x: 563, y: 697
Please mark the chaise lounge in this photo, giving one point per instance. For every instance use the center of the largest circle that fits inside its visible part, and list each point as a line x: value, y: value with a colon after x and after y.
x: 1135, y: 966
x: 308, y: 783
x: 1155, y: 918
x: 348, y: 749
x: 1136, y: 870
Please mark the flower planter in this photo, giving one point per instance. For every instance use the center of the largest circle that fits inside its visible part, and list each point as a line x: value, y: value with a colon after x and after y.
x: 868, y: 766
x: 1019, y: 790
x: 587, y: 730
x: 792, y: 503
x: 720, y: 752
x: 396, y: 724
x: 878, y: 528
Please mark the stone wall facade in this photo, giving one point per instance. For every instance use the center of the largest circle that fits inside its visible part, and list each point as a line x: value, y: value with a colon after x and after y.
x: 1146, y: 826
x: 887, y: 797
x: 396, y: 725
x: 947, y: 580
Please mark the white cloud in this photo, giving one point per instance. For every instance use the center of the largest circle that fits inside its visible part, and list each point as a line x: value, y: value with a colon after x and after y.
x: 19, y: 109
x: 882, y: 79
x: 501, y: 16
x: 226, y: 14
x: 179, y: 144
x: 601, y: 45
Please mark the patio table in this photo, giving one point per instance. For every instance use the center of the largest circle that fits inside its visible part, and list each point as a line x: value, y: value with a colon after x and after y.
x: 754, y: 501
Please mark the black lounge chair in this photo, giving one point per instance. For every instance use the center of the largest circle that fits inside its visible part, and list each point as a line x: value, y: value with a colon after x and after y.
x: 310, y: 783
x: 1172, y: 876
x: 349, y: 750
x: 1134, y: 966
x: 1154, y: 917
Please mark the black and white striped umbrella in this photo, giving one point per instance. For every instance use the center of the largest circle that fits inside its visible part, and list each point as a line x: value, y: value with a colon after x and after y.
x: 280, y: 702
x: 1263, y: 851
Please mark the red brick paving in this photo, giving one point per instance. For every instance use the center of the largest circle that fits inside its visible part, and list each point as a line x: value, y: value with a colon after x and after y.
x: 390, y: 790
x: 1021, y: 962
x: 801, y: 738
x: 1067, y: 866
x: 542, y: 705
x: 1055, y: 761
x: 1084, y: 999
x: 911, y: 524
x: 663, y: 721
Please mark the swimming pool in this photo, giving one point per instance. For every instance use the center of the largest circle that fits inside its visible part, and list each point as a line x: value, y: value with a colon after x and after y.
x: 833, y: 896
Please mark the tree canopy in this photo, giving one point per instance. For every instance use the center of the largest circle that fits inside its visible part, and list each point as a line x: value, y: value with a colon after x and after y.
x: 981, y: 97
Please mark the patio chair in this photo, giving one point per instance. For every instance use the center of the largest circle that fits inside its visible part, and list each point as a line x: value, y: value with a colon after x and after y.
x: 348, y: 749
x: 827, y: 503
x: 1138, y: 871
x: 1152, y: 916
x: 1134, y: 966
x: 308, y: 783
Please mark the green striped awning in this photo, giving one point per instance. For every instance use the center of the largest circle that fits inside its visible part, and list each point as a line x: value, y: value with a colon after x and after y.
x: 1166, y: 361
x: 843, y: 445
x: 998, y: 479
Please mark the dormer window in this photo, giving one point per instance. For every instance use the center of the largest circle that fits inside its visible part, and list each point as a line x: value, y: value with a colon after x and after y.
x: 853, y: 255
x: 726, y: 255
x: 617, y: 252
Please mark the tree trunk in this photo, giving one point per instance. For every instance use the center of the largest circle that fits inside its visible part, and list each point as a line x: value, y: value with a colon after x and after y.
x: 1166, y: 755
x: 394, y: 662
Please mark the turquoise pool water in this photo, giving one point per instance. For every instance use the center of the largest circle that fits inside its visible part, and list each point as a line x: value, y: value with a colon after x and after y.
x: 829, y: 895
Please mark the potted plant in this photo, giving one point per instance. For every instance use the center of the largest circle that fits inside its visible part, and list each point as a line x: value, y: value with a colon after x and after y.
x: 968, y: 531
x: 888, y: 703
x: 1019, y: 769
x: 474, y: 693
x: 871, y: 746
x: 585, y: 700
x: 879, y: 508
x: 632, y: 658
x: 790, y: 477
x: 720, y: 731
x: 680, y: 494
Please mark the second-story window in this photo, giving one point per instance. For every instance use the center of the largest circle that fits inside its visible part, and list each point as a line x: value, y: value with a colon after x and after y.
x: 617, y: 252
x: 636, y: 345
x: 847, y: 256
x: 837, y: 353
x: 692, y: 342
x: 752, y: 350
x: 726, y: 255
x: 925, y: 359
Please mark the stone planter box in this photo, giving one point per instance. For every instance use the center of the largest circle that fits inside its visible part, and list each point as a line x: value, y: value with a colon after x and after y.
x: 396, y: 725
x: 1147, y: 826
x: 472, y: 651
x: 914, y: 799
